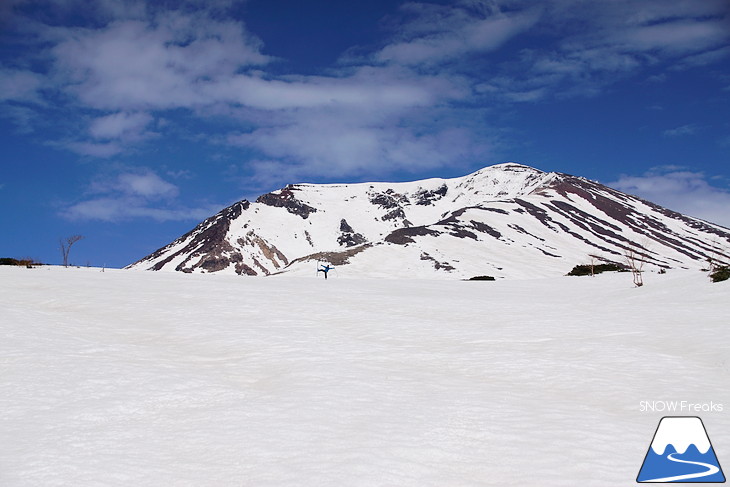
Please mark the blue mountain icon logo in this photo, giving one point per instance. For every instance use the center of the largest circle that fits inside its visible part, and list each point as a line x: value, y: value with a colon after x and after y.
x: 680, y: 452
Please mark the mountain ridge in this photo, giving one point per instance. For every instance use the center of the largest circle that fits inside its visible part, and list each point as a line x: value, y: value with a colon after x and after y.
x: 506, y: 220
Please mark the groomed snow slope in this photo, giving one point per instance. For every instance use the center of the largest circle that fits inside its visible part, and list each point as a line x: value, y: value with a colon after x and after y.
x: 128, y: 378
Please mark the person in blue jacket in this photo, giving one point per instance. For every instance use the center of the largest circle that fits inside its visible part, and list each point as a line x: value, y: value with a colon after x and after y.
x: 325, y: 269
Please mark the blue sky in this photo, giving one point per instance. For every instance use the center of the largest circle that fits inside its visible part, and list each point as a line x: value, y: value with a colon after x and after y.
x: 129, y: 121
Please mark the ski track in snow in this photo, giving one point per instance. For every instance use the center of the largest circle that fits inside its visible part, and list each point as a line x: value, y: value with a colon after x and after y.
x: 140, y: 378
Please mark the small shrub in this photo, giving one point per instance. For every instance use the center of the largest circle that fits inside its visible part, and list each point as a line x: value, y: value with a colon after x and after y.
x: 27, y: 262
x: 721, y: 273
x: 585, y: 269
x: 482, y: 278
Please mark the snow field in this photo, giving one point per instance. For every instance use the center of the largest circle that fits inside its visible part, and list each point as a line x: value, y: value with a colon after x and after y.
x: 140, y: 378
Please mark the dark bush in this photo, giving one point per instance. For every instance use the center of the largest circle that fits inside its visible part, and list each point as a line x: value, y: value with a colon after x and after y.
x: 721, y: 273
x: 482, y: 278
x: 22, y: 262
x: 585, y: 269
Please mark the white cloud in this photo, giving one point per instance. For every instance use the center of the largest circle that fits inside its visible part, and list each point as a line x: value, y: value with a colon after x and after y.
x: 120, y: 209
x: 110, y: 135
x: 676, y: 36
x: 120, y: 125
x: 332, y: 123
x: 146, y: 184
x: 703, y: 58
x: 396, y: 107
x: 594, y: 44
x: 439, y: 33
x: 684, y: 191
x: 182, y: 62
x: 181, y: 174
x: 168, y: 61
x: 23, y: 117
x: 356, y: 141
x: 134, y: 194
x: 655, y: 11
x: 384, y: 89
x: 101, y: 150
x: 19, y: 85
x: 688, y: 129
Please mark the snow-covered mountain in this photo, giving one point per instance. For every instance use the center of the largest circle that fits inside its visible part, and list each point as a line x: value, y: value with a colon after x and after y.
x: 507, y: 220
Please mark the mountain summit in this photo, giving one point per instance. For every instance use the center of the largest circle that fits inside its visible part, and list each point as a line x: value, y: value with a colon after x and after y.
x: 507, y: 220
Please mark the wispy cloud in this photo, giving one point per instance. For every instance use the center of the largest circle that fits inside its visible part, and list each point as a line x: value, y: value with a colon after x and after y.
x: 138, y: 194
x: 19, y: 85
x: 433, y: 34
x: 335, y: 149
x: 145, y: 184
x: 110, y: 135
x: 120, y: 125
x: 675, y: 36
x: 24, y: 118
x: 102, y: 150
x: 689, y: 129
x: 170, y: 60
x: 703, y: 58
x: 125, y: 71
x: 120, y: 209
x: 685, y: 191
x: 594, y: 44
x: 341, y: 123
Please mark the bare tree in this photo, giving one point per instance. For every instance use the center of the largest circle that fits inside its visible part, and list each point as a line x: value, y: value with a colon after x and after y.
x: 592, y: 264
x: 66, y: 246
x: 717, y: 256
x: 635, y: 260
x: 713, y: 256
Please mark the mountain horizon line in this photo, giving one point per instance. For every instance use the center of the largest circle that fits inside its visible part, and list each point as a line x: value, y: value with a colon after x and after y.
x: 504, y: 220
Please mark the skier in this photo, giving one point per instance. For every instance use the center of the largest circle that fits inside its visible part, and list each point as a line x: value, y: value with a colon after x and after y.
x: 325, y: 269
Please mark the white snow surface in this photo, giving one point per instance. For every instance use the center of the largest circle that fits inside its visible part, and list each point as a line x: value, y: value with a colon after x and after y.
x: 130, y: 378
